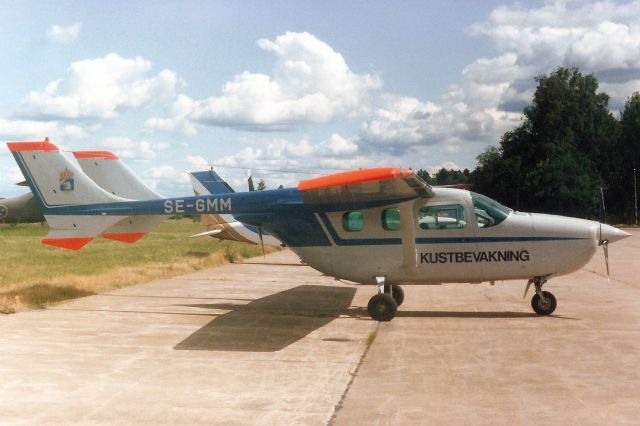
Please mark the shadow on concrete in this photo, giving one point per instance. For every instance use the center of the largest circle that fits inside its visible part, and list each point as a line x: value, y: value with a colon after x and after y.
x: 361, y: 313
x: 271, y: 323
x: 457, y: 314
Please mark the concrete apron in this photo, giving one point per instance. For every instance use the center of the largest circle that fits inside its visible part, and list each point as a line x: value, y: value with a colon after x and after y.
x: 278, y: 344
x: 239, y: 344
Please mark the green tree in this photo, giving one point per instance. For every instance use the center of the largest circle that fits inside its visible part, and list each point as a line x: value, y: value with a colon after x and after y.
x: 425, y: 176
x: 497, y: 177
x: 629, y: 151
x: 445, y: 176
x: 562, y: 153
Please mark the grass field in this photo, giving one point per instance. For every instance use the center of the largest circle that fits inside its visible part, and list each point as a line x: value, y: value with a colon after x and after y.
x: 33, y: 274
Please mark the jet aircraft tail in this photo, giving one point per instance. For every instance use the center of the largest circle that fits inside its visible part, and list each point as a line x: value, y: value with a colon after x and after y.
x: 112, y: 175
x: 57, y: 185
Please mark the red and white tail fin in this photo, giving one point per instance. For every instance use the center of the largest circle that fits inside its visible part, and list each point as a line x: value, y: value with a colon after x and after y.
x: 56, y: 181
x: 58, y: 185
x: 112, y: 175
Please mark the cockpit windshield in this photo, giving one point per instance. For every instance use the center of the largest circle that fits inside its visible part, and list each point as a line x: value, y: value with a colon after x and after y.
x: 488, y: 212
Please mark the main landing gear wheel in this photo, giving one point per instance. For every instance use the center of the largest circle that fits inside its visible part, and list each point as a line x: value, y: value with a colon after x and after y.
x: 382, y: 307
x: 546, y: 306
x: 396, y: 292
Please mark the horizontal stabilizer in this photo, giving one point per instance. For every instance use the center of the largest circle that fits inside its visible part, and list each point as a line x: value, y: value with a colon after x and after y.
x: 74, y: 232
x: 132, y: 228
x: 207, y: 233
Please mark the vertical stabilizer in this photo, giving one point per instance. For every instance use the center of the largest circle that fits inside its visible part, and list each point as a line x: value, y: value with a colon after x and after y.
x: 58, y: 185
x: 54, y: 180
x: 112, y: 175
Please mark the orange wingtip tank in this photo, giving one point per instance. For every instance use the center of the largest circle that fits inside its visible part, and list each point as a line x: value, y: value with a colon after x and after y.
x: 353, y: 177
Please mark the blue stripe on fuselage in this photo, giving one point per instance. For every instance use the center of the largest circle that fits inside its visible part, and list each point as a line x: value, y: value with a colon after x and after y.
x: 432, y: 240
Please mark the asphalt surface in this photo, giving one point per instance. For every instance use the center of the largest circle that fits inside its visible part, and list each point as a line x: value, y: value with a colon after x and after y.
x: 278, y: 343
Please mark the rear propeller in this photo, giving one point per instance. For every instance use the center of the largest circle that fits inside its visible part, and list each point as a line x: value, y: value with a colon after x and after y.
x: 251, y: 189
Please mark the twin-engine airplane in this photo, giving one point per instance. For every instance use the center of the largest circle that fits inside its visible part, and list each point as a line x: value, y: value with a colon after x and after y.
x: 382, y: 226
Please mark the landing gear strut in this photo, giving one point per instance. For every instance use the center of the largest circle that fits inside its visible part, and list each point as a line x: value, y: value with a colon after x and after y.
x: 396, y: 292
x: 543, y: 302
x: 384, y: 305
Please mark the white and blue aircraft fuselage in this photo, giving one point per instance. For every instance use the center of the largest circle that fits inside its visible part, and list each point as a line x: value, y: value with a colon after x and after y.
x: 381, y: 226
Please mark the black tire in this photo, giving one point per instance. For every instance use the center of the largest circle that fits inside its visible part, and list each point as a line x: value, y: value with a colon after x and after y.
x: 542, y: 308
x: 382, y: 307
x: 396, y: 292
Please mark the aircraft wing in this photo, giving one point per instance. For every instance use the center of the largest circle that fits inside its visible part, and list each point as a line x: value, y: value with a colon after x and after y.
x: 366, y: 185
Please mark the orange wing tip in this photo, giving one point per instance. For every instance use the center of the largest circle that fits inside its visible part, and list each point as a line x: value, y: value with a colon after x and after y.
x: 45, y: 146
x: 353, y: 177
x: 68, y: 243
x: 104, y: 155
x: 125, y: 238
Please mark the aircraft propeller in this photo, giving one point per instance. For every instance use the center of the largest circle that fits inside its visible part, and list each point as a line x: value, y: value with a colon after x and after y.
x: 604, y: 242
x: 252, y: 188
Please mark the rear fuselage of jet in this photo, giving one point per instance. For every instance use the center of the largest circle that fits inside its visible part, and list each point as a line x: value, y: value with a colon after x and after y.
x: 20, y: 209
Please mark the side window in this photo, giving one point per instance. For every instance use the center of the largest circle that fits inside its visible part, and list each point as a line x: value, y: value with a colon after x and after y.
x: 488, y: 212
x: 352, y: 221
x: 391, y: 219
x: 442, y: 217
x: 483, y: 219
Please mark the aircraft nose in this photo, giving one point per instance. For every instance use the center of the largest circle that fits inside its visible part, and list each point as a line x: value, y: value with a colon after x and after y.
x: 612, y: 234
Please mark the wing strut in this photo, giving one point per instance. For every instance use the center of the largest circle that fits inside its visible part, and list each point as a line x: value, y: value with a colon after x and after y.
x: 408, y: 229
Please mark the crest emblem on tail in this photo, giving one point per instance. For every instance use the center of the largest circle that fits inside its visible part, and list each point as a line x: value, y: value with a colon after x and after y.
x: 67, y: 183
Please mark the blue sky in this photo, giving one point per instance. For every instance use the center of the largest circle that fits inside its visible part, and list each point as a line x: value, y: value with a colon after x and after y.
x: 290, y: 85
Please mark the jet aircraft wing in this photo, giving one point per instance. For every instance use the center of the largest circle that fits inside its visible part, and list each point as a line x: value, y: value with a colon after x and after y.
x: 366, y: 185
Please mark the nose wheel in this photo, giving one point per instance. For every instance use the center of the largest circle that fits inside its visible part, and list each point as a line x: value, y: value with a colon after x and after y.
x: 544, y: 305
x: 543, y: 302
x: 384, y: 305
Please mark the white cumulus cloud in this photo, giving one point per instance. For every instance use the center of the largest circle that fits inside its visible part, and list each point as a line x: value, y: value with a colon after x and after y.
x: 310, y: 83
x: 100, y: 89
x: 64, y: 35
x: 597, y: 37
x: 128, y: 148
x: 38, y: 130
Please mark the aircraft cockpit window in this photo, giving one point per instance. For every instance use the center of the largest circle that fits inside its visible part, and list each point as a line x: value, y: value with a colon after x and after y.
x: 352, y: 221
x: 391, y: 219
x: 488, y: 212
x: 442, y: 217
